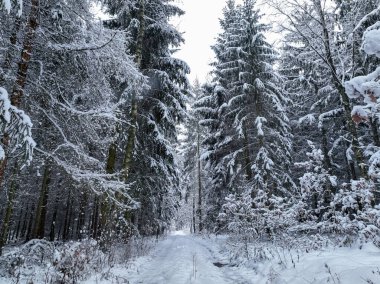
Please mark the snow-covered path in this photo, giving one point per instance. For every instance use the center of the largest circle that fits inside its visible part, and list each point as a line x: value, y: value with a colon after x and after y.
x: 183, y: 259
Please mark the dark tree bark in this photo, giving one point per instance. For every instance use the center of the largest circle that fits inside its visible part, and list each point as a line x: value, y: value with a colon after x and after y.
x: 199, y: 174
x: 40, y: 219
x: 340, y: 88
x: 8, y: 212
x: 23, y: 65
x: 129, y: 148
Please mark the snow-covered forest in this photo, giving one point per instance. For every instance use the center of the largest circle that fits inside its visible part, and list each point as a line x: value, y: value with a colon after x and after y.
x: 271, y: 164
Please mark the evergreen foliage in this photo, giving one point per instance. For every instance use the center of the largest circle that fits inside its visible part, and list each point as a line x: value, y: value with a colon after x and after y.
x: 281, y: 144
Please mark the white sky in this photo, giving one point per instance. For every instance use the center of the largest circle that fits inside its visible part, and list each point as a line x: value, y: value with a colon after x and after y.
x: 201, y: 26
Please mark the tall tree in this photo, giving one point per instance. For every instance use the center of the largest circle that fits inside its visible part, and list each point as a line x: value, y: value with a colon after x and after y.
x: 158, y: 108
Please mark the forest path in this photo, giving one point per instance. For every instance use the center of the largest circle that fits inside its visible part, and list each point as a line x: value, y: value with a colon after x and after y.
x: 181, y: 259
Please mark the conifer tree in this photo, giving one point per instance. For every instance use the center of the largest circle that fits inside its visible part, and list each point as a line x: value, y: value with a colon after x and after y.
x: 157, y: 109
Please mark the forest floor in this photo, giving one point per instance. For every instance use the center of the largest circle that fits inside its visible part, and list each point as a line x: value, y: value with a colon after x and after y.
x: 183, y: 258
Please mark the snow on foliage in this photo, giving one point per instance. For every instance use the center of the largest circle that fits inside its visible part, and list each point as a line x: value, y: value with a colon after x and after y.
x: 5, y: 105
x: 371, y: 42
x: 308, y: 119
x: 16, y: 128
x: 7, y: 5
x: 374, y: 168
x: 357, y: 215
x: 316, y: 183
x: 259, y: 124
x: 367, y: 88
x: 41, y: 261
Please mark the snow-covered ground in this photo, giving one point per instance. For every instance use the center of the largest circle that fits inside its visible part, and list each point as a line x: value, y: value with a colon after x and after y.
x: 184, y: 258
x: 341, y: 265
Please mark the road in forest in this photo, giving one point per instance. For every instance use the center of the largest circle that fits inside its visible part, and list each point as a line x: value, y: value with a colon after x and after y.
x: 181, y: 259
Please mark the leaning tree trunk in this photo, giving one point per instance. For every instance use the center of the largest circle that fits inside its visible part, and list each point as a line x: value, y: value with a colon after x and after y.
x: 342, y: 93
x: 19, y: 86
x: 9, y: 55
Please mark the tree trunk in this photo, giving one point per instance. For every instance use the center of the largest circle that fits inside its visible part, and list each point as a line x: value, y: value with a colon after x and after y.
x: 54, y: 220
x: 8, y: 211
x: 200, y: 224
x: 104, y: 202
x: 18, y: 88
x: 13, y: 40
x: 26, y: 54
x: 375, y: 131
x: 350, y: 164
x: 105, y: 209
x: 130, y: 146
x: 194, y: 220
x: 127, y: 163
x: 95, y: 218
x: 29, y: 229
x: 39, y: 227
x: 82, y: 215
x: 111, y: 160
x: 325, y: 149
x: 16, y: 232
x: 340, y: 88
x: 128, y: 155
x: 66, y: 226
x: 4, y: 162
x: 247, y: 157
x: 24, y: 224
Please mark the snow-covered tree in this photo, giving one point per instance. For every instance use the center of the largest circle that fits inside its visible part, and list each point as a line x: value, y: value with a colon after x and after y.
x: 316, y: 185
x: 366, y: 89
x: 211, y: 107
x: 152, y: 163
x: 249, y: 147
x: 79, y: 78
x: 315, y: 24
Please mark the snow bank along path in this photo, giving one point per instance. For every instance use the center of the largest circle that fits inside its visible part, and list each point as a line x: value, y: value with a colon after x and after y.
x: 181, y: 259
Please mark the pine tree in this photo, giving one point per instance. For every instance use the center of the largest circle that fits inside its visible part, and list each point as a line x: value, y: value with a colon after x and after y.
x: 193, y: 168
x: 256, y: 103
x: 74, y: 96
x: 159, y: 108
x: 211, y: 107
